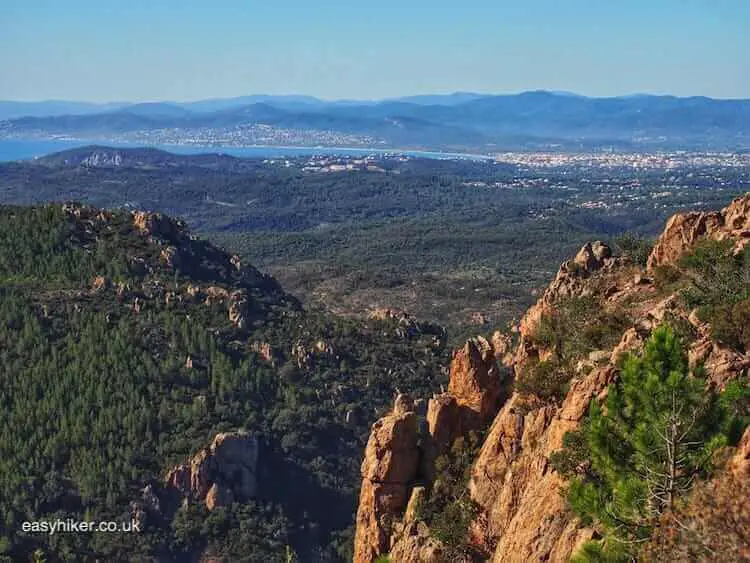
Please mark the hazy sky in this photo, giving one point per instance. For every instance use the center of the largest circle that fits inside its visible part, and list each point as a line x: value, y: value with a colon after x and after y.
x: 105, y: 50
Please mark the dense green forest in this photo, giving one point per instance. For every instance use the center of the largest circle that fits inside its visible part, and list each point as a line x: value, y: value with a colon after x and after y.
x: 99, y: 402
x: 441, y: 239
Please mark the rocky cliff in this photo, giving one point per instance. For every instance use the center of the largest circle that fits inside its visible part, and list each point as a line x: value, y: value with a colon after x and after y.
x: 522, y: 515
x: 404, y: 444
x: 220, y: 474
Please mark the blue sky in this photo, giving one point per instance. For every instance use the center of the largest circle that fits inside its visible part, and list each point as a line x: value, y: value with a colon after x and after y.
x: 136, y: 50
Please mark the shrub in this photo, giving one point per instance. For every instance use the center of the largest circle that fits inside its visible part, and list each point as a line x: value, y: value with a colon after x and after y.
x: 448, y: 509
x: 665, y: 276
x: 732, y: 325
x: 633, y: 247
x: 579, y: 325
x: 573, y: 457
x: 547, y: 380
x: 720, y: 289
x: 717, y: 277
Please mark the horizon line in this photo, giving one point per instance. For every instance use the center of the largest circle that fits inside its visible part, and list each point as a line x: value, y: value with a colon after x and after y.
x: 368, y: 100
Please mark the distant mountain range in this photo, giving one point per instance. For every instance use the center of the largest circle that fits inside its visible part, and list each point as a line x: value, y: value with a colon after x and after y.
x: 455, y: 121
x: 46, y: 108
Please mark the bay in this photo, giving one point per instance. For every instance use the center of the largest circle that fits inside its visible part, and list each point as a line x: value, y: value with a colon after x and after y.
x: 27, y: 149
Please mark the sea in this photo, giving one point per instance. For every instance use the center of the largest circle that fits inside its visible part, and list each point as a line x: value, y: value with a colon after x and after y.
x: 27, y: 149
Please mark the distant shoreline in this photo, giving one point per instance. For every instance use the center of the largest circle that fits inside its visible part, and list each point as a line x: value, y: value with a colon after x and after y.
x: 28, y: 149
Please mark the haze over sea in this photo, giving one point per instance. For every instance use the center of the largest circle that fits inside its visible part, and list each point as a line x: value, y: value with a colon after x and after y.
x: 16, y: 149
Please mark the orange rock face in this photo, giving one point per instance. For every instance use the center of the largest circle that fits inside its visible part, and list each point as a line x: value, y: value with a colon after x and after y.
x: 156, y: 224
x: 518, y: 490
x: 684, y: 230
x: 475, y: 379
x: 740, y: 462
x: 443, y: 419
x: 388, y: 470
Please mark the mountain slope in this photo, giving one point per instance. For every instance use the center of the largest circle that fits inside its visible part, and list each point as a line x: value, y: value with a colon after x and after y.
x: 131, y: 347
x: 462, y: 120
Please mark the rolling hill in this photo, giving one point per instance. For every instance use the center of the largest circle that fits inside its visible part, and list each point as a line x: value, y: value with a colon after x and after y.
x: 476, y: 122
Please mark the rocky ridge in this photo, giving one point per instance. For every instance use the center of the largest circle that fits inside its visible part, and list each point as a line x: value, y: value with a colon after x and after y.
x: 403, y: 445
x: 219, y: 474
x: 523, y: 516
x: 167, y: 250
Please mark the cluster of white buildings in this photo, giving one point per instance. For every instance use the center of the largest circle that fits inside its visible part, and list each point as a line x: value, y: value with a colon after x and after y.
x: 623, y: 160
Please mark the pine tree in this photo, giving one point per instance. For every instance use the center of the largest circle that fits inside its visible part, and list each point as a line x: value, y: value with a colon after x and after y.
x: 655, y: 436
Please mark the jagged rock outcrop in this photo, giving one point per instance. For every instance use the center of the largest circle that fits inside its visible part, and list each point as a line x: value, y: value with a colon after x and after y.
x: 502, y: 345
x: 475, y: 390
x: 397, y: 455
x: 524, y: 516
x: 570, y: 281
x: 475, y: 378
x: 524, y: 513
x: 684, y: 230
x: 443, y: 419
x: 238, y: 305
x: 158, y: 225
x: 514, y: 483
x: 388, y: 471
x: 220, y: 474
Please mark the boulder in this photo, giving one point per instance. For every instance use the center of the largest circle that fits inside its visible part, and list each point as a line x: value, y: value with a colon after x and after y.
x: 101, y: 283
x: 218, y: 496
x: 170, y: 255
x: 228, y: 467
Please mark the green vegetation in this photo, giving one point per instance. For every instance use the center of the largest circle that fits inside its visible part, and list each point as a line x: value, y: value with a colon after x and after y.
x: 448, y: 508
x: 99, y: 402
x: 548, y: 380
x: 719, y: 286
x: 635, y: 248
x: 633, y: 460
x: 580, y: 325
x: 577, y: 326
